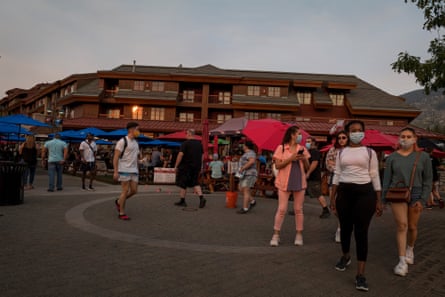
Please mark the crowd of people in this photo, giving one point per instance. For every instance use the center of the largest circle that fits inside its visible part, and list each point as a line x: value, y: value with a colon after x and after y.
x: 358, y: 186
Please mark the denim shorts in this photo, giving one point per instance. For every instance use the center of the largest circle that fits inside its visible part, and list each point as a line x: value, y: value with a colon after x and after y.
x: 128, y: 176
x: 416, y: 195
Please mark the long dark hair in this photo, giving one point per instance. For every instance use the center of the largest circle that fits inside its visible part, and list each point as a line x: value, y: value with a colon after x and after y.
x: 288, y: 135
x: 336, y: 144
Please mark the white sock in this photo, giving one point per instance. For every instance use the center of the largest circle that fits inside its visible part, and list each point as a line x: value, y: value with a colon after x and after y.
x: 410, y: 248
x: 402, y: 259
x: 246, y: 209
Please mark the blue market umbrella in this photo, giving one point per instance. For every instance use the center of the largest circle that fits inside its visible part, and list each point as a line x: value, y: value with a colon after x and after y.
x: 119, y: 133
x: 159, y: 142
x: 68, y: 134
x: 93, y: 130
x: 10, y: 128
x: 13, y: 138
x: 20, y: 119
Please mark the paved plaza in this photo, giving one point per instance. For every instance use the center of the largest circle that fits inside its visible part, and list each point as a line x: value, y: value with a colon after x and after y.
x: 71, y: 243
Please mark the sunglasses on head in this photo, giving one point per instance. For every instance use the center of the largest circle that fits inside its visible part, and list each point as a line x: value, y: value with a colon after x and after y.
x: 342, y: 137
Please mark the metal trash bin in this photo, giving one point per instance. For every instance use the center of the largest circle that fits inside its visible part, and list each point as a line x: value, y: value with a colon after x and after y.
x: 11, y: 183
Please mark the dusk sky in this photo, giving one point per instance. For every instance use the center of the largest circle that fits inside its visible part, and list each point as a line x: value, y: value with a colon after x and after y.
x: 48, y: 40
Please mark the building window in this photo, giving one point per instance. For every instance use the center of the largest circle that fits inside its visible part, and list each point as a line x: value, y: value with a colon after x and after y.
x: 276, y: 116
x: 188, y: 96
x: 157, y: 86
x: 138, y: 85
x: 273, y: 91
x: 251, y: 115
x: 221, y: 118
x: 337, y: 99
x: 224, y: 97
x: 253, y: 90
x: 136, y: 113
x: 186, y: 117
x: 157, y: 114
x: 114, y: 113
x: 304, y: 97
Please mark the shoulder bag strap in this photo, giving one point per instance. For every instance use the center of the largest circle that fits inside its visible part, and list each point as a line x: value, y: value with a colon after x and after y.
x: 411, y: 182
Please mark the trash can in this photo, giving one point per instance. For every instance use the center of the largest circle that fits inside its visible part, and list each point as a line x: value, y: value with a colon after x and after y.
x: 11, y: 182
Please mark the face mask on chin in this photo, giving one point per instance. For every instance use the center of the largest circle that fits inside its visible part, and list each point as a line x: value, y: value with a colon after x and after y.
x: 406, y: 143
x: 356, y: 137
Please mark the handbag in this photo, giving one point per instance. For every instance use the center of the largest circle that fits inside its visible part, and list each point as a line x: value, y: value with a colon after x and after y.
x: 325, y: 184
x: 402, y: 194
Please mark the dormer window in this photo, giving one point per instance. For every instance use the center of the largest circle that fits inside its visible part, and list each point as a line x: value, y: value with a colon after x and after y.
x: 338, y: 99
x: 304, y: 97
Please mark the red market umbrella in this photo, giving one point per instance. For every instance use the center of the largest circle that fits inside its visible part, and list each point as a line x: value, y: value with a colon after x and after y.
x: 376, y: 139
x: 267, y: 134
x: 438, y: 153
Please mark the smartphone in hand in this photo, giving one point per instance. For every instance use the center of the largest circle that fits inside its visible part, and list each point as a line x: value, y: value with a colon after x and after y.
x: 300, y: 152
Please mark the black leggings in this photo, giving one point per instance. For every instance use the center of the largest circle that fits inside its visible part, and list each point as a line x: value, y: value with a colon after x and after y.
x: 355, y: 207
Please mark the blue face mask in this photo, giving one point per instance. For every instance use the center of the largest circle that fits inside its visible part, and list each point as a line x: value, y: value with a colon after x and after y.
x: 356, y: 137
x: 299, y: 138
x: 308, y: 146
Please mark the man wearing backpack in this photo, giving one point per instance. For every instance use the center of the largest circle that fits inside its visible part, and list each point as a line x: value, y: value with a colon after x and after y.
x: 125, y: 163
x: 88, y: 150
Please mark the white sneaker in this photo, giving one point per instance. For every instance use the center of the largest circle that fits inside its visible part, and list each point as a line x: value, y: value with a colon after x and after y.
x: 337, y: 236
x: 409, y: 258
x: 298, y: 239
x: 401, y: 269
x: 275, y: 241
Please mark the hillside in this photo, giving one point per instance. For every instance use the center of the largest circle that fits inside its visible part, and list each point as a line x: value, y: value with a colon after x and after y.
x: 432, y: 106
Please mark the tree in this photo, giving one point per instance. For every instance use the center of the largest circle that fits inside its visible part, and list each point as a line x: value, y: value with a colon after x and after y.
x: 430, y: 73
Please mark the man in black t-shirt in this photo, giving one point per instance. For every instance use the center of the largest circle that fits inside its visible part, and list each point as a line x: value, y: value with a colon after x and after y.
x: 188, y: 167
x: 314, y: 176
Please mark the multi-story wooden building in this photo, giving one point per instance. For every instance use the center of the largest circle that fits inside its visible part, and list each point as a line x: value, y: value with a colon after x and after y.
x: 168, y: 99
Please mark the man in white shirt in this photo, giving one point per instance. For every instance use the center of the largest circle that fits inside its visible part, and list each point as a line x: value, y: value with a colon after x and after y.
x: 88, y: 150
x: 125, y: 163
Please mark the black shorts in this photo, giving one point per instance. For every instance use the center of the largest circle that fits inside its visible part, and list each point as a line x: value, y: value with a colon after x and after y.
x: 88, y: 166
x: 187, y: 178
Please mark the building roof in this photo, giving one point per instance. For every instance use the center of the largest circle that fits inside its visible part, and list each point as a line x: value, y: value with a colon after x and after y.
x: 361, y: 95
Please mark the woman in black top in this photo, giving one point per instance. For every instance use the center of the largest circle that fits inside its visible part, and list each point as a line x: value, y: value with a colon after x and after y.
x: 28, y: 152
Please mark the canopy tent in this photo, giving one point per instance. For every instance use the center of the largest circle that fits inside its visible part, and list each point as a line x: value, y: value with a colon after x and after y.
x: 230, y: 127
x: 180, y: 135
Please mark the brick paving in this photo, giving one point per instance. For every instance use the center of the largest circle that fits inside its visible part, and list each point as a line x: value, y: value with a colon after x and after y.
x: 70, y: 243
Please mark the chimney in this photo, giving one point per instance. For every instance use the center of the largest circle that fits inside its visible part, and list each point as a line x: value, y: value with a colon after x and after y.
x: 134, y: 66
